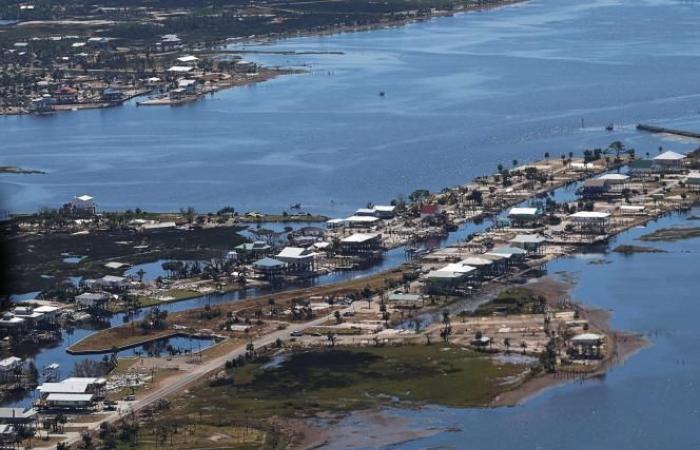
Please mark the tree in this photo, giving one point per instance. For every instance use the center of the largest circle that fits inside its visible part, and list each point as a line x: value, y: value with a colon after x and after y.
x: 271, y: 302
x: 546, y: 155
x: 331, y: 338
x: 338, y: 317
x: 506, y: 344
x: 141, y: 274
x: 446, y: 326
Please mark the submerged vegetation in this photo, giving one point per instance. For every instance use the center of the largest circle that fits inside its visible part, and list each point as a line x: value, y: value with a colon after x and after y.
x: 672, y: 234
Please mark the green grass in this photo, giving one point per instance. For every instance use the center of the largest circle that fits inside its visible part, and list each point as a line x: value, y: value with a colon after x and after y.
x: 352, y: 378
x: 512, y: 301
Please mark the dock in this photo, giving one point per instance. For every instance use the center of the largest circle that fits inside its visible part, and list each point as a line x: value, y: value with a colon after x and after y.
x: 657, y: 129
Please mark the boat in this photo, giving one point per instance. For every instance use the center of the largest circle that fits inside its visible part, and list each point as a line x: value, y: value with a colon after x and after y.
x: 610, y: 127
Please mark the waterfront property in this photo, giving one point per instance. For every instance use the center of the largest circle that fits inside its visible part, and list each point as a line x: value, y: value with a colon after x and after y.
x: 590, y: 222
x: 525, y: 217
x: 669, y: 162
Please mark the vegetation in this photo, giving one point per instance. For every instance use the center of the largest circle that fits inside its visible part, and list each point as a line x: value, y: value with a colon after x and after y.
x: 340, y: 380
x: 672, y: 234
x: 513, y: 301
x: 630, y: 249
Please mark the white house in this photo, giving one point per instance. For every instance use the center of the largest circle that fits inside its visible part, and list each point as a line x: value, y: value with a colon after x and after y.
x: 669, y: 161
x: 83, y: 203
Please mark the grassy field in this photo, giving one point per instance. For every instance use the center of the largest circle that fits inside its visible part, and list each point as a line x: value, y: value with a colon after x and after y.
x: 516, y: 300
x: 347, y: 379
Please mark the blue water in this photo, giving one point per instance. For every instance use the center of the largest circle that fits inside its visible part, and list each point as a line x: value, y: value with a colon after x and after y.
x: 462, y: 95
x: 649, y: 402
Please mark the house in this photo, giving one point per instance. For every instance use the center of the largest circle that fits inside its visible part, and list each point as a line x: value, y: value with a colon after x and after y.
x: 641, y: 167
x: 12, y: 324
x: 188, y: 60
x: 108, y: 283
x: 669, y: 162
x: 524, y: 217
x: 512, y: 254
x: 9, y: 368
x: 253, y: 250
x: 385, y: 211
x: 367, y: 212
x: 405, y: 300
x: 335, y: 223
x: 361, y: 243
x: 586, y: 346
x: 8, y: 435
x: 17, y: 416
x: 298, y: 259
x: 49, y: 314
x: 66, y: 95
x: 190, y: 86
x: 28, y: 314
x: 92, y: 299
x: 693, y: 181
x: 243, y: 66
x: 180, y: 69
x: 111, y: 95
x: 484, y: 265
x: 448, y: 277
x: 633, y: 210
x: 532, y: 243
x: 83, y: 204
x: 361, y: 221
x: 594, y: 188
x: 168, y: 43
x: 270, y: 268
x: 42, y: 104
x: 590, y: 222
x: 69, y: 401
x: 75, y: 385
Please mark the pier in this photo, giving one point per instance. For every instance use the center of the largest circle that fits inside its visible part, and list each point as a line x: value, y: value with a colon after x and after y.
x: 657, y: 129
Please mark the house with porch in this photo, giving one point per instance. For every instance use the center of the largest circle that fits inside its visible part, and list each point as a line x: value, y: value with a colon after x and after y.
x: 590, y: 222
x: 270, y: 269
x: 525, y: 217
x: 669, y: 162
x: 299, y: 260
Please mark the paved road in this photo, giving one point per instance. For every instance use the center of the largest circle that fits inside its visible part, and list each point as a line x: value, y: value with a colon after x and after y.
x: 181, y: 382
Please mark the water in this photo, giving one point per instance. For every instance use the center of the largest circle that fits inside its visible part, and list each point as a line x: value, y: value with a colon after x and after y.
x: 650, y: 402
x: 462, y: 95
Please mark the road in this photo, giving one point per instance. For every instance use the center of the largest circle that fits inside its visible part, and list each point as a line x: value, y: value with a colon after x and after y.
x: 180, y: 383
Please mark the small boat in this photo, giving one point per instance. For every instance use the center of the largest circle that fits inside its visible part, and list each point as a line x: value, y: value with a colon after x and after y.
x: 295, y: 206
x: 381, y: 93
x: 610, y: 127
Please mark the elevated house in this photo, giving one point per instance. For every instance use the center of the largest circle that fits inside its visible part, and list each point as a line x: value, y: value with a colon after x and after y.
x: 253, y: 250
x: 525, y: 217
x: 385, y: 211
x: 111, y: 95
x: 405, y: 300
x: 13, y: 325
x: 90, y: 300
x: 449, y: 278
x: 299, y: 260
x: 10, y: 367
x: 168, y: 43
x: 641, y: 168
x: 669, y: 162
x: 41, y: 105
x: 693, y: 181
x: 76, y: 393
x: 83, y: 204
x: 590, y: 222
x: 531, y: 243
x: 270, y: 268
x: 512, y: 255
x: 18, y: 417
x: 587, y: 346
x: 66, y: 95
x: 111, y: 283
x: 361, y: 221
x: 361, y: 244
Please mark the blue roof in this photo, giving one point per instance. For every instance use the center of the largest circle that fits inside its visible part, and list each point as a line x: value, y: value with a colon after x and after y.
x: 269, y: 263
